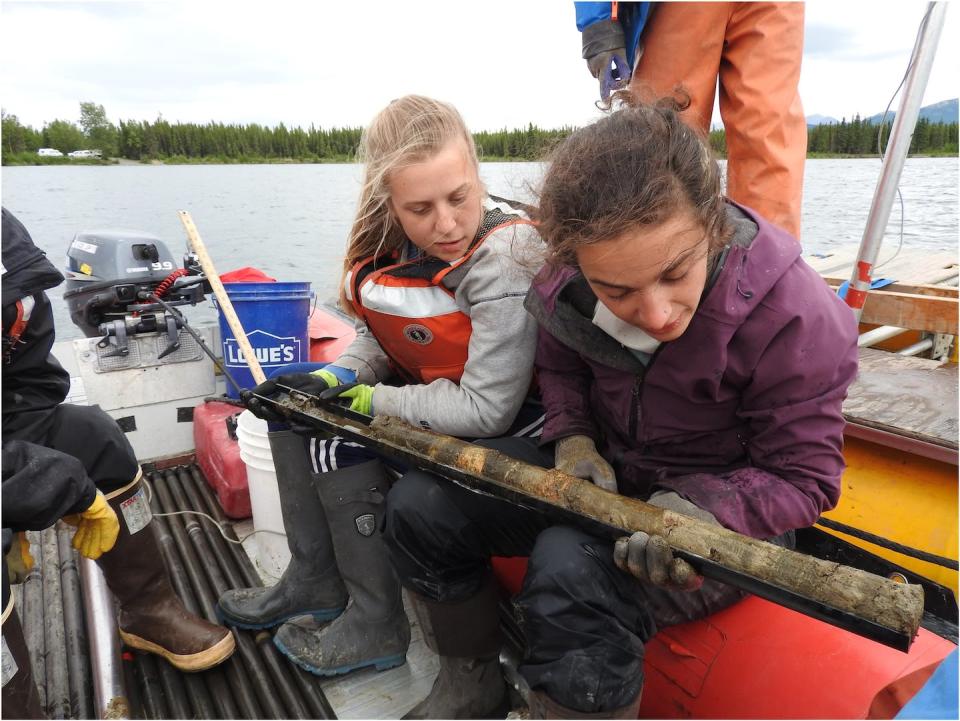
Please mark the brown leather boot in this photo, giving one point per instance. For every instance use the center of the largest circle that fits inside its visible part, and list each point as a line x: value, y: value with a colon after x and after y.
x: 152, y: 618
x: 20, y: 697
x: 544, y: 707
x: 466, y: 635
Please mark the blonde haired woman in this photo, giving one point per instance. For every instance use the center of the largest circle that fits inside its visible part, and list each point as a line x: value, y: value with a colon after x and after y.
x: 436, y: 275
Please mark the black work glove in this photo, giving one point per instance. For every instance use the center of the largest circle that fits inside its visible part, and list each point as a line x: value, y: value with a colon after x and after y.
x: 310, y: 383
x: 604, y: 49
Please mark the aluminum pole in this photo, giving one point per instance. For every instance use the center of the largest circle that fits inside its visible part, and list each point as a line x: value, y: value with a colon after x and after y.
x: 901, y: 135
x: 109, y: 693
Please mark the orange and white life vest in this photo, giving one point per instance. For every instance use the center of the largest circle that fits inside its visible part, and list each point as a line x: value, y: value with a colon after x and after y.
x: 411, y: 313
x: 11, y: 336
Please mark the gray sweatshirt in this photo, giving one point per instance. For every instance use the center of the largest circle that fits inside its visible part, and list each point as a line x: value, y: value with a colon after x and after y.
x: 490, y: 288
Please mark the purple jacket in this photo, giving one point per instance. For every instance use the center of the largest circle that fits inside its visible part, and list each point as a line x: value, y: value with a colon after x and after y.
x: 741, y: 414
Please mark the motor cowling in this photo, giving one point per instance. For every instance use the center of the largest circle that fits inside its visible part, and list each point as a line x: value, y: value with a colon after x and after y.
x: 111, y: 275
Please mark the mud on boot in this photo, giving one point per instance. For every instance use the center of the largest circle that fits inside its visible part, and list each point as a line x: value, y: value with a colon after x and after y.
x: 466, y: 635
x: 151, y: 617
x: 465, y: 688
x: 346, y: 644
x: 311, y: 584
x: 374, y: 630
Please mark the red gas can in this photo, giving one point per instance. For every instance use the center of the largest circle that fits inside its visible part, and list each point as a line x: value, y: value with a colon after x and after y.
x: 218, y: 455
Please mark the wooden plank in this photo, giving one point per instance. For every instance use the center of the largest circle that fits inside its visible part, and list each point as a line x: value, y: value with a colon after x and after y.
x: 920, y: 267
x: 932, y: 314
x: 910, y: 267
x: 941, y: 291
x: 912, y: 397
x: 836, y: 262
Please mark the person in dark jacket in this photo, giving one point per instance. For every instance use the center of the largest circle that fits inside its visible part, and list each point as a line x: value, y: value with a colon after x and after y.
x: 151, y: 617
x: 687, y: 357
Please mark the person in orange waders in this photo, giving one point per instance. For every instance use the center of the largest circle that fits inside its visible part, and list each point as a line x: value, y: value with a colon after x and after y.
x: 754, y: 49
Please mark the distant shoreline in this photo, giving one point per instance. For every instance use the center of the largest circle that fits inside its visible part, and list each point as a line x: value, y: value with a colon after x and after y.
x: 60, y: 162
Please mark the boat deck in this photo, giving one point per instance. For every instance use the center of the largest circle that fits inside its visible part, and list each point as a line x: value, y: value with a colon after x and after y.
x: 368, y: 694
x: 257, y: 682
x: 905, y: 401
x: 912, y: 266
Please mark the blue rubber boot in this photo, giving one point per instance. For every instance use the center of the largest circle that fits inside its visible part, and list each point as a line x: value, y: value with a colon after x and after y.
x: 311, y: 584
x: 374, y: 630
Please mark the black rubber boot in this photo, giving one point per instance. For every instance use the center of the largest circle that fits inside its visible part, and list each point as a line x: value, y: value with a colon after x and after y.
x: 466, y: 635
x: 311, y: 584
x: 20, y: 698
x: 374, y: 630
x: 544, y: 707
x: 151, y: 617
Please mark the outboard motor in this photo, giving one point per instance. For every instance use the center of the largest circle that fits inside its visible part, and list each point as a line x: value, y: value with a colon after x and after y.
x: 114, y: 278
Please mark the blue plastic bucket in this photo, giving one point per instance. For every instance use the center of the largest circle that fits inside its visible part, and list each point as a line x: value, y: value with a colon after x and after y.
x: 274, y: 317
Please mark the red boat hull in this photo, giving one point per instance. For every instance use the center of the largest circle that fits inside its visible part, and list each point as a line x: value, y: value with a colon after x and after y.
x: 759, y: 660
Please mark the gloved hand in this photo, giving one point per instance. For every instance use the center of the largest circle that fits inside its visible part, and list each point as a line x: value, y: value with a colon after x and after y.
x: 97, y: 528
x: 312, y: 384
x: 19, y: 560
x: 650, y: 559
x: 604, y: 49
x: 360, y: 395
x: 577, y: 456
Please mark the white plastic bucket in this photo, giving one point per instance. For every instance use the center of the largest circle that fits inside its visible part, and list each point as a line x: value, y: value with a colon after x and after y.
x: 273, y: 555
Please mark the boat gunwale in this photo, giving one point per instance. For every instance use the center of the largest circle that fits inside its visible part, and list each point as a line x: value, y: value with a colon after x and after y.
x: 883, y: 436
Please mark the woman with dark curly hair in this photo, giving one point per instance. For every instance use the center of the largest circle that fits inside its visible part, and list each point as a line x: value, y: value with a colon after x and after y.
x: 687, y: 356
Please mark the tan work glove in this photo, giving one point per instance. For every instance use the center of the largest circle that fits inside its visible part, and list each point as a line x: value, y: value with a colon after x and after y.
x: 650, y: 559
x: 19, y: 560
x: 577, y: 456
x: 97, y: 528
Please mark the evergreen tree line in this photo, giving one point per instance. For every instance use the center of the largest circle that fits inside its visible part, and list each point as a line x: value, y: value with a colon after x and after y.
x: 220, y: 142
x: 861, y: 137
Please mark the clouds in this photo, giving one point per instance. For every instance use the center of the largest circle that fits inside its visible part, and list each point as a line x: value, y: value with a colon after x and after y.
x: 856, y: 52
x: 502, y: 62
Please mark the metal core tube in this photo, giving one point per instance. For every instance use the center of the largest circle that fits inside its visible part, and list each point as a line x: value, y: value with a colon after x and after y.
x: 110, y: 696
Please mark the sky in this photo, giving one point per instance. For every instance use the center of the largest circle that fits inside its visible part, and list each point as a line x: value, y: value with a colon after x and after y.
x: 503, y: 63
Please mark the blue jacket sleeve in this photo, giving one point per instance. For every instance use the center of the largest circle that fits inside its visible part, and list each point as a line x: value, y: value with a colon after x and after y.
x: 631, y: 15
x: 590, y: 12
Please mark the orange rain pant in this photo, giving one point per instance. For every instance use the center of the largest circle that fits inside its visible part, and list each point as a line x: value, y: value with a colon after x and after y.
x: 755, y: 49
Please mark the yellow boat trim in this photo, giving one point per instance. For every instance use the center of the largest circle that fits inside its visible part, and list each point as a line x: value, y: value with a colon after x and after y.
x: 902, y: 497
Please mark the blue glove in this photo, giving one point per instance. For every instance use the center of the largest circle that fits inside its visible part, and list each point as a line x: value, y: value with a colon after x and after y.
x: 614, y: 73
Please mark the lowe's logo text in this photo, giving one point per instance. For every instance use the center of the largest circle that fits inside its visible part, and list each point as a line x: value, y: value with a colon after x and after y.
x: 270, y: 350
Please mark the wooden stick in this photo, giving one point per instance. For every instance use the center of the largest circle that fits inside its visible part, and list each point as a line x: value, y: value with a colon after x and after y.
x: 226, y: 307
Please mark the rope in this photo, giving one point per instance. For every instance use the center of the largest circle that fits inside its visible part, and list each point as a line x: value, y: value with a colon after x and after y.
x: 209, y: 518
x: 888, y: 544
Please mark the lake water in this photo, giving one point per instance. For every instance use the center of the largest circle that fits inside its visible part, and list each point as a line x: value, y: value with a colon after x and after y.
x: 292, y: 220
